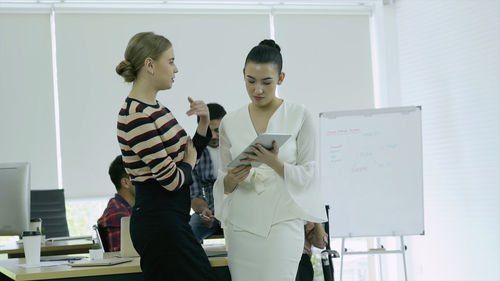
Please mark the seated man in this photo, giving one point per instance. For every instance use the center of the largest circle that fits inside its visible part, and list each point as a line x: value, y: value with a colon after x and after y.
x: 203, y: 222
x: 118, y: 206
x: 316, y: 236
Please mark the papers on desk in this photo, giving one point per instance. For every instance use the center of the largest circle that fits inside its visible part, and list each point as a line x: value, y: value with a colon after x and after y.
x: 215, y: 250
x: 88, y: 237
x: 103, y: 262
x: 62, y: 258
x: 44, y: 264
x: 216, y: 253
x: 78, y: 263
x: 217, y: 246
x: 65, y: 238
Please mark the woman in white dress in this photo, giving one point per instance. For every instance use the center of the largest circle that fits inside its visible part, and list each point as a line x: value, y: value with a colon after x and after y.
x: 263, y: 209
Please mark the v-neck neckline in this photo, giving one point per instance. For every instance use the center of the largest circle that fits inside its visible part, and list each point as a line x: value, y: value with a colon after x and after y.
x: 268, y: 121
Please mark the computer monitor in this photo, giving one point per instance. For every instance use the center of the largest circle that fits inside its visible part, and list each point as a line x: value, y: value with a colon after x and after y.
x: 15, y: 198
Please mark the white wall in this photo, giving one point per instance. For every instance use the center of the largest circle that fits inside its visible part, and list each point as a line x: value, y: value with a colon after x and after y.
x: 447, y: 56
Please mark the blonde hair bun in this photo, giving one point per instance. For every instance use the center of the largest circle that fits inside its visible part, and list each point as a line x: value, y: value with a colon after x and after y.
x: 141, y: 46
x: 126, y: 70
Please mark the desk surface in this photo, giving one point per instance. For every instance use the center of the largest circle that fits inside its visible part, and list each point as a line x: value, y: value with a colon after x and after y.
x: 11, y: 269
x: 74, y: 246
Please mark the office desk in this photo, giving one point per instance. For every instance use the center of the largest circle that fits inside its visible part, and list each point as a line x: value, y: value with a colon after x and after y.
x: 64, y: 247
x: 130, y: 271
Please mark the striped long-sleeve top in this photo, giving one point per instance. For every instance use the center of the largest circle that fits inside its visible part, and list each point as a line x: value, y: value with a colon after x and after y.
x: 152, y: 144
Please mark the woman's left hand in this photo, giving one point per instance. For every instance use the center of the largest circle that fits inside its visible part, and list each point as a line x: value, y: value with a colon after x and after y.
x: 268, y: 157
x: 263, y: 155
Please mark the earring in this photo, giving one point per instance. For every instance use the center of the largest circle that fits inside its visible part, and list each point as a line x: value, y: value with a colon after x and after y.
x: 153, y: 73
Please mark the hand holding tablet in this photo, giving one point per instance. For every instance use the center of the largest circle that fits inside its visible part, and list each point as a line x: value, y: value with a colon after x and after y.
x: 266, y: 140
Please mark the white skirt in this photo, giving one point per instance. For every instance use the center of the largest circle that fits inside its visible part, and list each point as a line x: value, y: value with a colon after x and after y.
x: 272, y: 258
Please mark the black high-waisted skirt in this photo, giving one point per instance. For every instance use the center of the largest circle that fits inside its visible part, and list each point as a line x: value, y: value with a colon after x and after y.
x: 160, y: 232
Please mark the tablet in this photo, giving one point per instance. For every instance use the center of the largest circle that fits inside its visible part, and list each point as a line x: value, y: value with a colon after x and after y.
x: 266, y: 140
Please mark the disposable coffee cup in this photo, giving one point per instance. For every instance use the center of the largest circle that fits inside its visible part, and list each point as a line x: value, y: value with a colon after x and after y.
x: 32, y: 247
x: 36, y: 224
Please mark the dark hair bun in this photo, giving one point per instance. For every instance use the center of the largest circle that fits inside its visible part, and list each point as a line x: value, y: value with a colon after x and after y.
x: 270, y: 43
x: 266, y: 52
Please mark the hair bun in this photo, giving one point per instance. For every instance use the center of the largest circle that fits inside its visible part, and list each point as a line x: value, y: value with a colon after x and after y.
x: 270, y: 43
x: 126, y: 70
x: 126, y: 63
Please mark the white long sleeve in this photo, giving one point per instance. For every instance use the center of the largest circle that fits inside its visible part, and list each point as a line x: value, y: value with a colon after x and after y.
x: 301, y: 178
x: 220, y: 202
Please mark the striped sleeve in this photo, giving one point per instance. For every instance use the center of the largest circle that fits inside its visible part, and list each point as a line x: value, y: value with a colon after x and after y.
x: 141, y: 135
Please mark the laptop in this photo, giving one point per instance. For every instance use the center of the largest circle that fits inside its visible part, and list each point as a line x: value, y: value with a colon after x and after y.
x: 126, y: 248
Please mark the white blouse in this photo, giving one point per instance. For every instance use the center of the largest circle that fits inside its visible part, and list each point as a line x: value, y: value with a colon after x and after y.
x: 264, y: 198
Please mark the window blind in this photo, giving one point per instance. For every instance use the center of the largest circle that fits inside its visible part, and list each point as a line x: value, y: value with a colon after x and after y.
x: 27, y: 121
x: 209, y: 49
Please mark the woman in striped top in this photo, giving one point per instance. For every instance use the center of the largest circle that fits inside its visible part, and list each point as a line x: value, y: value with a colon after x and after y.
x: 159, y: 157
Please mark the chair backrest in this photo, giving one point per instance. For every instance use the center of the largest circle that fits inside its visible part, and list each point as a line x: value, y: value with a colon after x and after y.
x: 102, y: 238
x: 49, y: 205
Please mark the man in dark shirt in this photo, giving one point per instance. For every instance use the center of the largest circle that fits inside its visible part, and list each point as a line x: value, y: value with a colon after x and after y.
x: 118, y: 206
x: 316, y: 236
x: 203, y: 222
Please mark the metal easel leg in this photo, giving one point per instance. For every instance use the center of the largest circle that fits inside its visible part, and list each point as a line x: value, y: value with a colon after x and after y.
x: 403, y: 250
x: 342, y: 249
x: 379, y: 259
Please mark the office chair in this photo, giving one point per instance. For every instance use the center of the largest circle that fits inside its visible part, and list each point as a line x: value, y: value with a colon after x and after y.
x: 49, y: 205
x: 101, y: 237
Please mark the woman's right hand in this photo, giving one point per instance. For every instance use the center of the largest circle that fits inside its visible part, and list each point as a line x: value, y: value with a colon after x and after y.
x: 234, y: 177
x: 190, y: 153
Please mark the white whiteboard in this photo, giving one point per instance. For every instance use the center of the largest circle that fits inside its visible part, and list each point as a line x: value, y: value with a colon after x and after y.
x: 371, y: 171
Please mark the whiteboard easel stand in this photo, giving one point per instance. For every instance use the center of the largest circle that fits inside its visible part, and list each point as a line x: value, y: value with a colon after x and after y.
x: 376, y: 252
x: 379, y: 260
